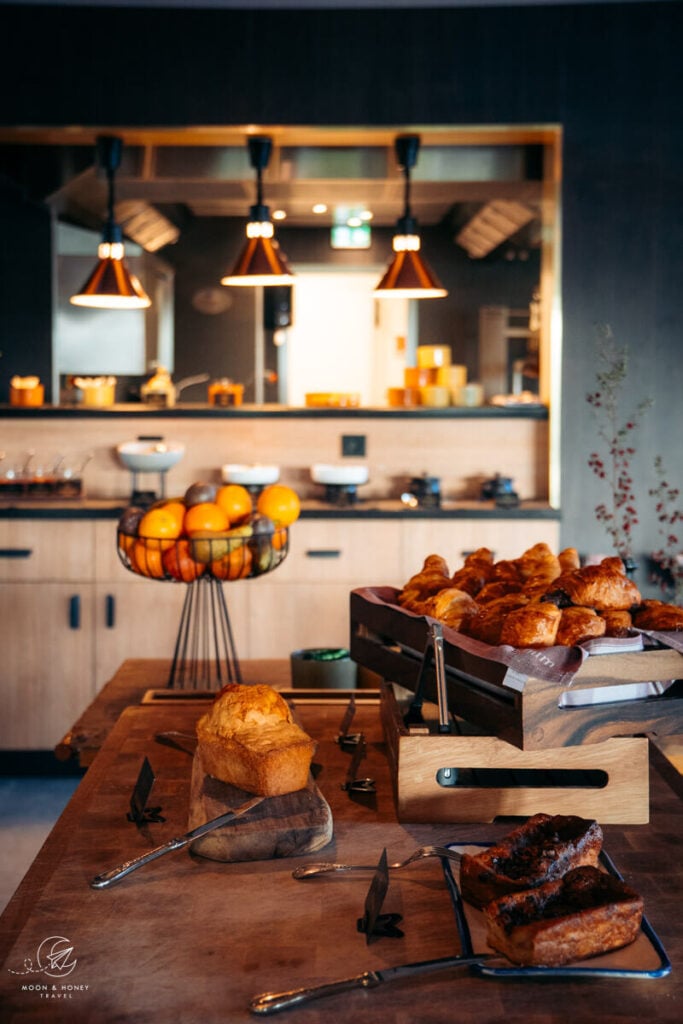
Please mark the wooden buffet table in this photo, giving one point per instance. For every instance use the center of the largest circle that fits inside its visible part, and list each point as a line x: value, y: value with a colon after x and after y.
x: 192, y: 940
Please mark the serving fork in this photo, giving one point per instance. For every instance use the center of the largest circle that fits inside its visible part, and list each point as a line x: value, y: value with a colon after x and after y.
x: 327, y: 867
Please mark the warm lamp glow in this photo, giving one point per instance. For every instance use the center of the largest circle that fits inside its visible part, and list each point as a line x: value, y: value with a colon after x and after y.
x: 111, y: 284
x: 408, y: 276
x: 260, y: 263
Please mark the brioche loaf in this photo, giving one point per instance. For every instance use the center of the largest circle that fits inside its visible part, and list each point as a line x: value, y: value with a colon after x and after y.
x: 582, y: 914
x: 249, y: 739
x: 544, y: 848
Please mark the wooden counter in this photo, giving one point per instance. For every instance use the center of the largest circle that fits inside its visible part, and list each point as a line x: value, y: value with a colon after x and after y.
x: 187, y: 939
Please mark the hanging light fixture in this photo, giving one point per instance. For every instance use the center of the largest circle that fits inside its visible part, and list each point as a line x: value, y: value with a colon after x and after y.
x: 111, y: 285
x: 261, y: 262
x: 408, y: 276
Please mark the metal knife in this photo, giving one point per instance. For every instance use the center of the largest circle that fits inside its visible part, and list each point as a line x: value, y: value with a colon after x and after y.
x: 108, y: 878
x: 273, y: 1002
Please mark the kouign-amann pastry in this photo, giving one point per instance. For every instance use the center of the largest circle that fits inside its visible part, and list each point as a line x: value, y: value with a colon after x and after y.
x: 544, y: 848
x: 583, y: 914
x: 249, y: 739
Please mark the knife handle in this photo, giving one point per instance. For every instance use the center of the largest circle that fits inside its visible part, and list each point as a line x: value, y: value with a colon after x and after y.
x: 115, y: 874
x: 272, y: 1002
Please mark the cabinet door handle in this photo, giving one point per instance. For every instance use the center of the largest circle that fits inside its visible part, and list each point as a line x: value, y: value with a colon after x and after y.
x: 323, y: 553
x: 75, y: 612
x: 16, y: 552
x: 110, y: 611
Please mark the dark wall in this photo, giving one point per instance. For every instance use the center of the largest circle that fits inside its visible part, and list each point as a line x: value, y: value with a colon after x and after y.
x: 25, y: 289
x: 610, y: 75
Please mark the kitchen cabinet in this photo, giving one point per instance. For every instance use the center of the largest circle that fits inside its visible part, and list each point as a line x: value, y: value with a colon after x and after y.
x: 46, y: 631
x: 305, y: 602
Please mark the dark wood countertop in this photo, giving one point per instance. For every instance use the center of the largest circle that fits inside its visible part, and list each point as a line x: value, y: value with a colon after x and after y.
x: 188, y: 939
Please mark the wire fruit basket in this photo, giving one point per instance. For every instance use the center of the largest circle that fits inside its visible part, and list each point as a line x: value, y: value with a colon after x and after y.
x: 205, y: 655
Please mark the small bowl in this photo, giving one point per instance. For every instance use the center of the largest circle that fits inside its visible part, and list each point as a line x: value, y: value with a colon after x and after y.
x: 150, y: 456
x: 249, y: 476
x: 341, y: 476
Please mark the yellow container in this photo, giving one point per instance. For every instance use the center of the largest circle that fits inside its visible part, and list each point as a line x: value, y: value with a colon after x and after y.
x: 453, y: 377
x: 429, y: 356
x: 98, y: 392
x: 435, y: 396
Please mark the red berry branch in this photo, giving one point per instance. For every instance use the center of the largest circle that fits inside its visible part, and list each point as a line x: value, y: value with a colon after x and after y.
x: 669, y: 558
x: 618, y: 514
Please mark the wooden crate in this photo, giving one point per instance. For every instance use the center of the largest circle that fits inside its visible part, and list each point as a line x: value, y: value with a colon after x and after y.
x: 526, y: 712
x: 608, y: 781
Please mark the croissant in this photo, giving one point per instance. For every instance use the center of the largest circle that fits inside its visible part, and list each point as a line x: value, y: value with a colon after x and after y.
x: 658, y: 615
x: 450, y: 606
x: 471, y: 578
x: 618, y: 622
x: 533, y: 625
x: 569, y: 559
x: 487, y: 623
x: 506, y: 571
x: 578, y: 624
x: 495, y: 589
x: 433, y: 577
x: 538, y: 561
x: 602, y: 587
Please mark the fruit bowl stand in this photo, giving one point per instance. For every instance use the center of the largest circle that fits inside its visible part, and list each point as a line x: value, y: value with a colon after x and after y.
x: 205, y: 655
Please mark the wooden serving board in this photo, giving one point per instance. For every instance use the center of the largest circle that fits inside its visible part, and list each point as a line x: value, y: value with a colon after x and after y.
x: 282, y: 826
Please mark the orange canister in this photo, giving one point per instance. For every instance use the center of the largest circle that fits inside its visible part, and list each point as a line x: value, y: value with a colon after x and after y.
x: 419, y: 376
x: 224, y: 392
x: 26, y: 391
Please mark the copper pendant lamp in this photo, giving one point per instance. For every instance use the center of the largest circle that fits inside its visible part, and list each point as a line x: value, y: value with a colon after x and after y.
x: 260, y: 262
x: 111, y: 284
x: 408, y: 276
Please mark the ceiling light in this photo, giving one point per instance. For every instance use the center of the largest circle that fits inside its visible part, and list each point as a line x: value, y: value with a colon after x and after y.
x: 260, y: 262
x: 494, y: 223
x: 319, y: 208
x: 279, y: 214
x: 111, y: 285
x: 408, y: 276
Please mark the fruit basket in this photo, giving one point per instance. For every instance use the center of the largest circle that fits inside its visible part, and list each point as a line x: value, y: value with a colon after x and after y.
x: 187, y: 559
x: 210, y: 537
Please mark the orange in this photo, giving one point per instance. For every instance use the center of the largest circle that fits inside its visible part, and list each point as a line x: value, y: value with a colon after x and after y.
x: 279, y: 503
x: 235, y: 501
x: 176, y: 508
x: 233, y: 566
x: 126, y: 542
x: 178, y: 562
x: 207, y: 515
x: 279, y: 539
x: 146, y: 558
x: 162, y: 525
